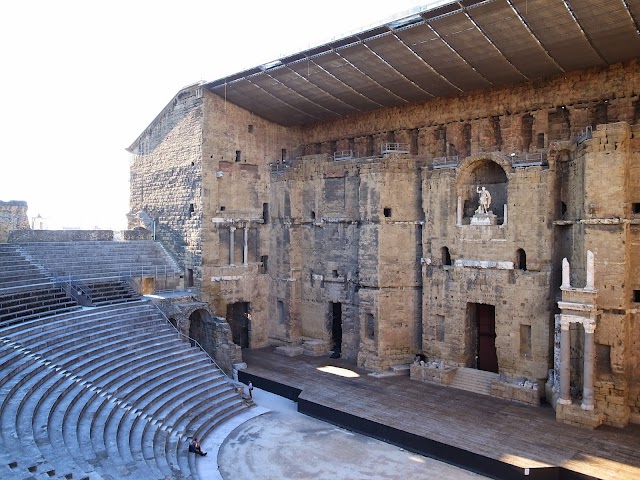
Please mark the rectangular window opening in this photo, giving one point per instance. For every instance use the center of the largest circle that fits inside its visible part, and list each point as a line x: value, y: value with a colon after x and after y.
x: 636, y: 296
x: 387, y: 212
x: 371, y: 327
x: 264, y: 259
x: 238, y: 155
x: 250, y: 129
x: 635, y: 208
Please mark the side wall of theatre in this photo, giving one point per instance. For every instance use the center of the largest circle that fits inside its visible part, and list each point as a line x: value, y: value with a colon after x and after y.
x: 166, y: 180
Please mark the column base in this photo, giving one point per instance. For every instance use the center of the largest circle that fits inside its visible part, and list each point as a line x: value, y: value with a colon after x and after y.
x: 562, y: 401
x: 575, y: 415
x: 584, y: 406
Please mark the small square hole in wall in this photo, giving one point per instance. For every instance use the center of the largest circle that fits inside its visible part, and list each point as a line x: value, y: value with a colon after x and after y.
x: 335, y: 273
x: 635, y: 208
x: 636, y: 296
x: 387, y: 212
x: 222, y: 208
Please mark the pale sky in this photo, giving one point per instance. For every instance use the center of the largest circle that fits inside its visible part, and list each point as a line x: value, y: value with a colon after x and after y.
x: 82, y: 79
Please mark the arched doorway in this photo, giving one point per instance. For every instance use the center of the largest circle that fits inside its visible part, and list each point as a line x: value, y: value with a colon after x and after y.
x: 197, y: 327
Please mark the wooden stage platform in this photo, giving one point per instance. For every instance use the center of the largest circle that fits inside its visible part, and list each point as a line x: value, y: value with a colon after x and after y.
x: 491, y: 436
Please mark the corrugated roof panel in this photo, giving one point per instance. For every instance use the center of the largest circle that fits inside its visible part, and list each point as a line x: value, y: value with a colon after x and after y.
x: 254, y: 99
x: 374, y: 67
x: 558, y: 33
x: 609, y: 28
x: 333, y: 86
x: 443, y: 60
x: 471, y: 44
x: 410, y: 65
x: 302, y: 86
x: 344, y: 71
x: 507, y: 31
x: 290, y: 97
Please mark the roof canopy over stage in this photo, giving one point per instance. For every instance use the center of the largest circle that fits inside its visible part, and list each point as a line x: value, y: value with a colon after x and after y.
x: 451, y: 49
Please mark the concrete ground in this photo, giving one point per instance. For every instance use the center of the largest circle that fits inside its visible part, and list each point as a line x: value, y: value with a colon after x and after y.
x: 278, y: 442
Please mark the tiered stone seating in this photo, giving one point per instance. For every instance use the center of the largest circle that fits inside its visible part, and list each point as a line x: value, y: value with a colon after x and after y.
x: 106, y: 292
x: 21, y: 305
x: 17, y: 271
x: 101, y: 259
x: 106, y: 392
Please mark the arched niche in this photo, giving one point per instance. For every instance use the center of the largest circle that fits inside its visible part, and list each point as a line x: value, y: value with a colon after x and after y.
x: 486, y: 171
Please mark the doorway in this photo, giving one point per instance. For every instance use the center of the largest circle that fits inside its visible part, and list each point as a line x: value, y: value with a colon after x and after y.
x: 238, y: 318
x: 486, y: 328
x: 336, y: 329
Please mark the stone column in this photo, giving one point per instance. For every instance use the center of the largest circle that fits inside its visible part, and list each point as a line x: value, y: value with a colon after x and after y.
x: 589, y: 356
x: 565, y: 361
x: 590, y: 270
x: 505, y: 214
x: 566, y: 274
x: 459, y: 212
x: 245, y: 251
x: 232, y: 233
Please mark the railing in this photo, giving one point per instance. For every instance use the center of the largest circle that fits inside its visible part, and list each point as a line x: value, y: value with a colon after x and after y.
x: 193, y: 341
x: 344, y: 155
x: 395, y: 148
x: 528, y: 159
x: 165, y: 278
x: 585, y: 134
x: 280, y: 166
x: 445, y: 162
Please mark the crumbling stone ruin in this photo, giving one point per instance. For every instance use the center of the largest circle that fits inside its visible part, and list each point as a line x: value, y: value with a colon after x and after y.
x: 413, y: 190
x: 13, y: 216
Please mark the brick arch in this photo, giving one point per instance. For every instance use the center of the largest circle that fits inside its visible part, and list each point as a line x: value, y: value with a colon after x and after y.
x: 488, y: 170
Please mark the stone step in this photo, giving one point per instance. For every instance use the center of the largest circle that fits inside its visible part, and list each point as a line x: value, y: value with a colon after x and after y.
x: 472, y: 380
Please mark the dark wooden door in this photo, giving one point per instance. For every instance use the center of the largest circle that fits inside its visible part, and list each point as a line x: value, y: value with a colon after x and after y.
x: 487, y: 356
x: 238, y: 319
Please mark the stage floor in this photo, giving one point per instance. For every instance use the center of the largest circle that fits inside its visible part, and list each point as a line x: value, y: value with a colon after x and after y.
x: 519, y: 435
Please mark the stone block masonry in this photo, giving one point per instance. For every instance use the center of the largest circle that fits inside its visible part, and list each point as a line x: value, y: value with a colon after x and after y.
x: 13, y: 216
x: 379, y: 256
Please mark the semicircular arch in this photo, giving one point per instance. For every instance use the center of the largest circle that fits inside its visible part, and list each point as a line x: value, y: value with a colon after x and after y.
x: 485, y: 170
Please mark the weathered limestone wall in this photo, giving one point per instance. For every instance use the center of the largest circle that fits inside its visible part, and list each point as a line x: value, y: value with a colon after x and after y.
x: 166, y: 179
x: 581, y: 93
x: 13, y: 216
x: 388, y: 262
x: 237, y: 149
x: 23, y: 236
x: 483, y: 265
x: 608, y: 196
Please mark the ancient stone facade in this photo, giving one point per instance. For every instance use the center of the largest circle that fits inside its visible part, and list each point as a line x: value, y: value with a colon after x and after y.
x: 384, y: 254
x: 166, y: 180
x: 13, y: 216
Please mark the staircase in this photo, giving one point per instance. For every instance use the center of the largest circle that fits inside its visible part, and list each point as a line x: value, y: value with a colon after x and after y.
x: 472, y: 380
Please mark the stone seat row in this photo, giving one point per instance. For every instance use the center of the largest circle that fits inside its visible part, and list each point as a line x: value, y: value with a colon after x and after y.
x: 114, y: 386
x: 106, y: 292
x: 26, y: 305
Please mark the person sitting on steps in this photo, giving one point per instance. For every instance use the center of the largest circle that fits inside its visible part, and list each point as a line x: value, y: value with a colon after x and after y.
x: 194, y: 447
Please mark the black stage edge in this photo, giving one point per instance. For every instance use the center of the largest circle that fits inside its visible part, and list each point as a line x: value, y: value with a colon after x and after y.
x: 424, y: 446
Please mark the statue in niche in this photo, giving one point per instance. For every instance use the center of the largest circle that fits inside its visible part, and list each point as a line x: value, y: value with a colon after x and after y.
x: 484, y: 201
